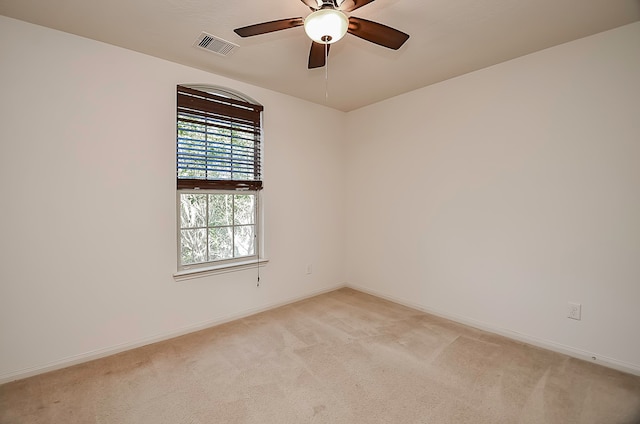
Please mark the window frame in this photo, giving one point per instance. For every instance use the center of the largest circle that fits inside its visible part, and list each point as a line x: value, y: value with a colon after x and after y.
x: 222, y: 187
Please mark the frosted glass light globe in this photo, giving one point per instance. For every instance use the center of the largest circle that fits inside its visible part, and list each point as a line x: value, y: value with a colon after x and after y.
x: 326, y: 26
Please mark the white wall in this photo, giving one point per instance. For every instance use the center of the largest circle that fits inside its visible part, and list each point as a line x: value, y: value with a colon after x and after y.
x: 497, y: 197
x: 88, y: 216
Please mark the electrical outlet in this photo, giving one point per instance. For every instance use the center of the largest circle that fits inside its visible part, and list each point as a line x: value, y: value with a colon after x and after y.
x: 574, y: 311
x: 309, y: 269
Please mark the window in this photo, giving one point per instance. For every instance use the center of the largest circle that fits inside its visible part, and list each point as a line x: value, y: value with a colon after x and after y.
x: 218, y: 178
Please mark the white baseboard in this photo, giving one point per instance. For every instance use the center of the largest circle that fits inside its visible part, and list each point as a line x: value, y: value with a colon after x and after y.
x: 112, y: 350
x: 525, y: 338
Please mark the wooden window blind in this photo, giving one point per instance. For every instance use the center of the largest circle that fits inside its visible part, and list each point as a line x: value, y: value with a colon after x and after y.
x: 218, y: 142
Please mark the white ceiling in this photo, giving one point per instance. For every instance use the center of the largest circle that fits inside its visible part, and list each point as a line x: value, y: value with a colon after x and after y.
x: 448, y: 38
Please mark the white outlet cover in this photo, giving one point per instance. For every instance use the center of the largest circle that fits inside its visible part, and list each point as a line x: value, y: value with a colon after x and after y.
x: 574, y: 311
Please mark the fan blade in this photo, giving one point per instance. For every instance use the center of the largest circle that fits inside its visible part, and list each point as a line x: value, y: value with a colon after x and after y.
x: 317, y: 55
x: 311, y: 3
x: 266, y: 27
x: 351, y: 5
x: 377, y: 33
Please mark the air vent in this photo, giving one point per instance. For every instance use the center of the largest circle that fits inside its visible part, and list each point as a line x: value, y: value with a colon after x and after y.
x: 214, y: 44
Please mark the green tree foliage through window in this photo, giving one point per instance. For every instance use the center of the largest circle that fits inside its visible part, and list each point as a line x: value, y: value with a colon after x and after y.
x: 216, y: 227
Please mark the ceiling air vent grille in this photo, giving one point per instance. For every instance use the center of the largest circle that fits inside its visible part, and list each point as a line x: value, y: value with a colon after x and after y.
x: 214, y: 44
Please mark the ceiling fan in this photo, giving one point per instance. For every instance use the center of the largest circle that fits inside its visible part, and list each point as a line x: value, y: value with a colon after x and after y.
x: 329, y: 23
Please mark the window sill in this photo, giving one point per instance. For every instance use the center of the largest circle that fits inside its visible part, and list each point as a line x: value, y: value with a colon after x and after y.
x: 189, y: 274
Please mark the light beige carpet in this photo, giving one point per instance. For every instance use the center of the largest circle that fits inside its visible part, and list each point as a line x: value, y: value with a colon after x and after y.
x: 342, y: 357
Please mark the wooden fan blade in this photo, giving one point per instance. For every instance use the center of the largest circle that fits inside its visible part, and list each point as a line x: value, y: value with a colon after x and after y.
x: 266, y: 27
x: 377, y: 33
x: 351, y: 5
x: 317, y: 56
x: 311, y: 3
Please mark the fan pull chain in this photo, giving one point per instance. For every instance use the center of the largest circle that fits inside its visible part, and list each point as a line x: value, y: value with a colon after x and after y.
x: 326, y: 72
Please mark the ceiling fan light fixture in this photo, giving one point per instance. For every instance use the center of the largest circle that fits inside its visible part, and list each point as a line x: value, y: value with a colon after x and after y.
x: 326, y: 26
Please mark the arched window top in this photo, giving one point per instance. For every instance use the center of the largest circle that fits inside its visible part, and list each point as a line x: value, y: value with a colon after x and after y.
x: 222, y: 91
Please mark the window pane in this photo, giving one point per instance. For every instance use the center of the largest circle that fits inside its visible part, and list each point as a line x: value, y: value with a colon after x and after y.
x: 193, y: 210
x: 245, y: 209
x: 244, y: 240
x: 191, y: 147
x: 220, y: 209
x: 220, y: 243
x: 193, y: 245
